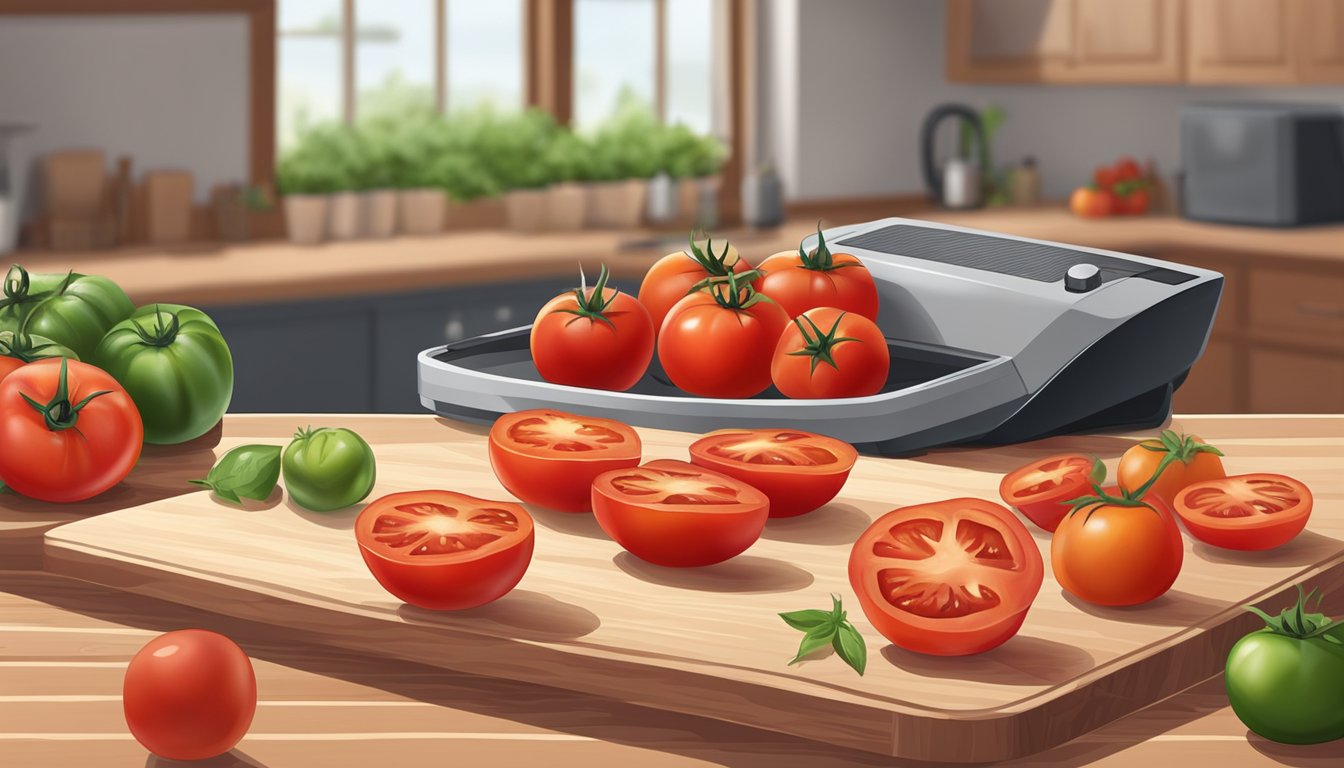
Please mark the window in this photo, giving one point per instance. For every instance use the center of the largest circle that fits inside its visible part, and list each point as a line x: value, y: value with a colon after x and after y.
x: 394, y: 56
x: 485, y: 54
x: 309, y: 65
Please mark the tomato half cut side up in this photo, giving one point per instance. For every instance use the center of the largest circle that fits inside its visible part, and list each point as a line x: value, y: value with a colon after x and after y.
x: 445, y: 551
x: 1245, y: 512
x: 1041, y: 489
x: 550, y: 458
x: 951, y: 578
x: 676, y: 514
x: 797, y: 470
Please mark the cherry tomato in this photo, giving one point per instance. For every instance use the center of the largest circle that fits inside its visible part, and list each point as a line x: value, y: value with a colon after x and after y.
x: 1040, y: 489
x: 798, y: 471
x: 673, y: 276
x: 802, y: 281
x: 1193, y: 461
x: 1246, y: 512
x: 719, y: 342
x: 1110, y: 553
x: 951, y: 578
x: 827, y: 352
x: 1104, y: 177
x: 1092, y: 202
x: 550, y: 458
x: 189, y: 695
x: 677, y: 514
x: 599, y: 338
x: 79, y: 436
x: 1132, y: 203
x: 445, y: 551
x: 1127, y: 169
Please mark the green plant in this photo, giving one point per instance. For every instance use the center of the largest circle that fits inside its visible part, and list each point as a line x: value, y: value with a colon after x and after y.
x: 626, y: 146
x: 569, y: 157
x: 685, y: 154
x: 315, y: 165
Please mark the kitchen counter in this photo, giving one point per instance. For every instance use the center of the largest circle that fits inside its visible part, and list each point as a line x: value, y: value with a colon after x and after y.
x: 65, y: 644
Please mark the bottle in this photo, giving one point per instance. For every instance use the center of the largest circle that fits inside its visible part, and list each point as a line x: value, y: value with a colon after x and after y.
x: 1025, y: 189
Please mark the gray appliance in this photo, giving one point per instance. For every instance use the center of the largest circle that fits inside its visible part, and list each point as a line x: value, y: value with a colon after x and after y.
x: 1267, y: 164
x: 993, y: 339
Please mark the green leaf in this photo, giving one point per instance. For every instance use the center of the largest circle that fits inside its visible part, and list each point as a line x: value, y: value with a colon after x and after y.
x: 814, y: 640
x: 849, y: 646
x: 248, y: 471
x: 1098, y: 475
x: 806, y: 621
x: 823, y: 628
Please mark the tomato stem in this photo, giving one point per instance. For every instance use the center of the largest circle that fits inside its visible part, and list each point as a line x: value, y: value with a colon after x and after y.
x: 591, y: 304
x: 60, y: 414
x: 1174, y: 447
x: 740, y: 295
x: 715, y: 264
x: 20, y: 346
x: 161, y: 335
x: 1296, y: 622
x: 819, y: 347
x: 820, y: 259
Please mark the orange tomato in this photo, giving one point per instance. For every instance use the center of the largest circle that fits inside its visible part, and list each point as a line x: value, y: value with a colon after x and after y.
x: 1092, y: 202
x: 673, y: 276
x: 1112, y: 553
x: 1193, y: 461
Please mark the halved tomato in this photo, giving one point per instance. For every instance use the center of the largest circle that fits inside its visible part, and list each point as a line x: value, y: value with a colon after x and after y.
x: 951, y: 578
x: 550, y: 458
x: 1246, y: 512
x: 798, y: 471
x: 677, y: 514
x: 445, y: 551
x: 1039, y: 489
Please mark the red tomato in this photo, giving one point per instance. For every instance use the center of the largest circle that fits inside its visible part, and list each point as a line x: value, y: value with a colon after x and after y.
x: 1091, y: 202
x: 189, y: 695
x: 445, y: 551
x: 82, y: 437
x: 673, y: 276
x: 951, y: 578
x: 1104, y: 177
x: 1127, y: 169
x: 677, y: 514
x: 1246, y: 512
x: 550, y: 458
x: 827, y: 352
x: 1112, y: 554
x: 599, y: 338
x: 1040, y: 489
x: 797, y: 471
x: 802, y: 281
x: 1132, y: 203
x: 719, y: 342
x: 9, y: 365
x: 1193, y: 460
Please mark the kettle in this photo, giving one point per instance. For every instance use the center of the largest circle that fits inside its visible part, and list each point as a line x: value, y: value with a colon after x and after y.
x: 958, y: 184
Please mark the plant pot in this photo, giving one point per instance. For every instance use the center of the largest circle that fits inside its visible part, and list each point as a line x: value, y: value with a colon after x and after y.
x: 380, y: 208
x: 306, y: 218
x: 664, y: 200
x: 526, y: 209
x: 483, y: 213
x: 617, y: 204
x: 345, y: 216
x: 421, y: 211
x: 566, y: 207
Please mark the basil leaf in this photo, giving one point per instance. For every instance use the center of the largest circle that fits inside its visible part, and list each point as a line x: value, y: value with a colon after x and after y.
x: 814, y: 640
x: 245, y: 472
x: 850, y: 647
x: 805, y: 621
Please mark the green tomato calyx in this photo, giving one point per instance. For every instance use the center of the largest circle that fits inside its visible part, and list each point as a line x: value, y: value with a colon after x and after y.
x: 592, y: 304
x: 818, y: 344
x: 21, y: 346
x: 820, y: 259
x: 716, y: 264
x: 161, y: 334
x: 60, y: 414
x: 1297, y: 623
x: 739, y: 295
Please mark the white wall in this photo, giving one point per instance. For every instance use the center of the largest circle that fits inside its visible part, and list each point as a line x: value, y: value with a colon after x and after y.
x: 170, y: 91
x: 869, y: 70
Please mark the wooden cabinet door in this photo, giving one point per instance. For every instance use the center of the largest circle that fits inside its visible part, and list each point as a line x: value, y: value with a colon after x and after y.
x: 1286, y: 381
x: 1134, y: 41
x: 1241, y: 41
x: 1214, y: 382
x: 1009, y: 40
x: 1322, y: 41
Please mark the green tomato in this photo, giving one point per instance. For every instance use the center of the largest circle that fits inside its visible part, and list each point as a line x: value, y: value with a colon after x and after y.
x: 1286, y: 681
x: 28, y: 348
x: 72, y: 310
x: 174, y: 363
x: 328, y: 469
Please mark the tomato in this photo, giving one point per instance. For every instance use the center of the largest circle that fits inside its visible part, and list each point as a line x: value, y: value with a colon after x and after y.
x: 189, y: 695
x: 550, y: 458
x: 600, y: 338
x: 68, y: 430
x: 1112, y: 553
x: 951, y: 578
x: 1127, y: 169
x: 1132, y: 203
x: 328, y: 468
x: 1092, y: 202
x: 677, y: 514
x: 1247, y: 512
x: 1041, y: 489
x: 676, y: 274
x: 71, y: 309
x: 1191, y: 461
x: 445, y: 551
x: 1286, y: 681
x: 17, y: 349
x: 827, y: 352
x: 798, y: 471
x: 802, y: 281
x: 175, y: 364
x: 719, y: 342
x: 1104, y: 177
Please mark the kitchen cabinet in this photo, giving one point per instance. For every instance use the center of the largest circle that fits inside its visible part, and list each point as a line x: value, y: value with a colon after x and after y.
x: 1322, y: 30
x: 1214, y: 383
x: 1292, y: 381
x: 1241, y: 41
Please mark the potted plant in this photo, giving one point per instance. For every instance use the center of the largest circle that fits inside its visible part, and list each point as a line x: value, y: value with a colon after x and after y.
x: 347, y: 210
x: 625, y: 156
x: 568, y: 162
x: 417, y: 140
x: 306, y: 179
x: 376, y: 179
x: 696, y: 167
x: 474, y: 192
x: 515, y: 152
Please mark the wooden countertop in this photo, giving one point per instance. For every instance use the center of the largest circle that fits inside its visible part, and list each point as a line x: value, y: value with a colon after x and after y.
x: 64, y: 643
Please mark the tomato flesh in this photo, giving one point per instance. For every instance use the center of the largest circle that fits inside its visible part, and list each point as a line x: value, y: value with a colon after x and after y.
x: 550, y: 458
x: 445, y: 551
x: 676, y: 514
x: 951, y: 578
x: 798, y: 471
x: 1040, y: 489
x: 1245, y: 512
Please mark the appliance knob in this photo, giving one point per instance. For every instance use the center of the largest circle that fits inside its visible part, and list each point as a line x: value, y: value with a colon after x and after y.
x: 1082, y: 278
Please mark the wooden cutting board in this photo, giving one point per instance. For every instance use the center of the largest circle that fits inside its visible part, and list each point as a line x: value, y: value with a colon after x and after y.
x: 588, y: 617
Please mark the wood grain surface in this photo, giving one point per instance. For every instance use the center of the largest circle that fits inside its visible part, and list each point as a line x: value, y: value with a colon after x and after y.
x: 591, y: 618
